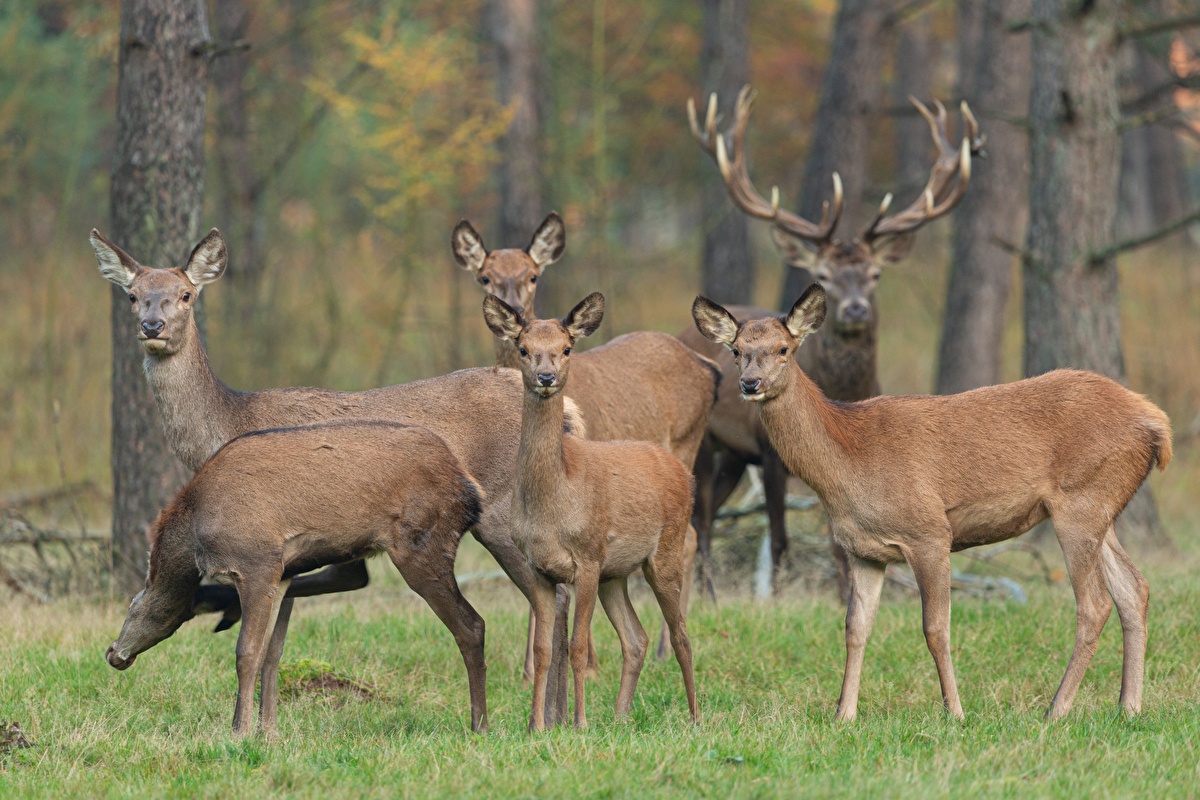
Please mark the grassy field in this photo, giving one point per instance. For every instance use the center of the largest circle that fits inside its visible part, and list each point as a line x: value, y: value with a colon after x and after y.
x: 768, y: 677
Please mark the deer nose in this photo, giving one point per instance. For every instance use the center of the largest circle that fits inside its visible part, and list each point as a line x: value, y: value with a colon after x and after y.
x: 751, y: 386
x: 545, y: 378
x: 153, y: 328
x: 857, y: 312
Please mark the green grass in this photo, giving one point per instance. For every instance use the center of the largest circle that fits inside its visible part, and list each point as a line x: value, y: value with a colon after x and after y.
x: 768, y: 678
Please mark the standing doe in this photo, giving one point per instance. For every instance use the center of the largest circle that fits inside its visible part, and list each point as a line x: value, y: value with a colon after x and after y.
x: 590, y: 513
x: 273, y: 504
x: 916, y: 478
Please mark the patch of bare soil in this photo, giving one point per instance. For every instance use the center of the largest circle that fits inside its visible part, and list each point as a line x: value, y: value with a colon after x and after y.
x: 12, y: 737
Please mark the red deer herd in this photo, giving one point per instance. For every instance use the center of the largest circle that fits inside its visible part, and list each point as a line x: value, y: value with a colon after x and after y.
x: 576, y: 468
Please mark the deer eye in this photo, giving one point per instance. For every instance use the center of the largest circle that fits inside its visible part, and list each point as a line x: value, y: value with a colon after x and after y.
x: 533, y: 279
x: 187, y: 296
x: 523, y: 352
x: 736, y: 353
x: 824, y: 276
x: 567, y: 351
x: 484, y: 280
x: 133, y: 298
x: 783, y: 351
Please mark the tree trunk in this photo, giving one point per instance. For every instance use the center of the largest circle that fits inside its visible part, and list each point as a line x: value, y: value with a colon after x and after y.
x: 993, y: 70
x: 156, y: 191
x: 1072, y: 309
x: 238, y: 213
x: 850, y: 90
x: 914, y: 61
x: 727, y: 269
x: 514, y: 32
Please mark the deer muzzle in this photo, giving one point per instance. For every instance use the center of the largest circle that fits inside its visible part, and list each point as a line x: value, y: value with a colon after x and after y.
x: 121, y: 661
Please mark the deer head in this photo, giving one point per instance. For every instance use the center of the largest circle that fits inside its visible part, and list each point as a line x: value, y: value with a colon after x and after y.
x: 544, y: 345
x: 848, y: 270
x: 162, y: 299
x: 762, y: 348
x: 510, y: 274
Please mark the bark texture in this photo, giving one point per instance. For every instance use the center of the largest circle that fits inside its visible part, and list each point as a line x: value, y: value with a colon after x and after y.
x: 1072, y: 306
x: 993, y: 73
x: 850, y: 90
x: 727, y: 269
x: 155, y: 195
x: 914, y: 62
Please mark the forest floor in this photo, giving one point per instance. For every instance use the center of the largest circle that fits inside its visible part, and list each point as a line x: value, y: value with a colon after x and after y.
x: 375, y: 705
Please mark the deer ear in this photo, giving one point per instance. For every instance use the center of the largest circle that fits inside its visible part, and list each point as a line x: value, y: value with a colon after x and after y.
x: 797, y: 252
x: 468, y: 247
x: 712, y: 320
x: 502, y: 318
x: 807, y: 313
x: 207, y: 262
x: 585, y: 317
x: 892, y: 249
x: 548, y: 242
x: 115, y: 264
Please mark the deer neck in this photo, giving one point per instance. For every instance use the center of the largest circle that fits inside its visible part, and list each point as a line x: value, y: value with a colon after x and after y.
x: 847, y: 363
x: 814, y: 437
x: 507, y: 355
x: 195, y: 408
x: 541, y: 473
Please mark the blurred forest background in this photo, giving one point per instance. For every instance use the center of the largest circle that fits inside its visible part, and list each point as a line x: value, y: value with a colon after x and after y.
x: 345, y: 138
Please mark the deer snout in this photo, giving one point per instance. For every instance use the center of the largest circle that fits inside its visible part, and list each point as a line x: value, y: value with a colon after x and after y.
x: 151, y: 328
x: 751, y: 385
x: 116, y: 661
x: 546, y: 378
x: 856, y: 312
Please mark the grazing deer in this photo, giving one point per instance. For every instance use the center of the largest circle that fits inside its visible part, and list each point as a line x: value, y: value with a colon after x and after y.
x: 841, y: 359
x: 477, y: 411
x: 916, y: 478
x: 272, y: 504
x: 673, y: 389
x: 590, y: 513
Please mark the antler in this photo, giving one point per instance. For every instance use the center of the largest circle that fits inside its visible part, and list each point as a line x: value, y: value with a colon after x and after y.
x: 942, y: 192
x: 737, y: 179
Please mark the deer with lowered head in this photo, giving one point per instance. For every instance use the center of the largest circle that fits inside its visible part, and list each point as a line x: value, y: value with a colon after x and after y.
x: 916, y: 478
x: 476, y: 411
x: 643, y: 386
x: 841, y: 358
x: 590, y: 513
x: 273, y: 504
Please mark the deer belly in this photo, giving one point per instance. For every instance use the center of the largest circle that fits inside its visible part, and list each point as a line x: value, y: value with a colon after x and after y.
x: 311, y: 550
x: 992, y: 521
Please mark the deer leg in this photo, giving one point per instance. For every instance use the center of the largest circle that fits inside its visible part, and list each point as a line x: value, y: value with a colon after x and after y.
x: 543, y: 608
x: 665, y: 576
x: 557, y: 695
x: 866, y: 584
x: 430, y: 573
x: 689, y: 568
x: 527, y: 673
x: 587, y: 584
x: 775, y: 489
x: 331, y: 580
x: 1092, y: 607
x: 614, y: 596
x: 261, y: 598
x: 932, y: 571
x: 268, y: 693
x: 1131, y: 594
x: 702, y: 512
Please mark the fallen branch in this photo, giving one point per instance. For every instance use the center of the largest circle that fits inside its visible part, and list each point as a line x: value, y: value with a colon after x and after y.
x: 41, y: 497
x: 791, y: 504
x: 19, y: 587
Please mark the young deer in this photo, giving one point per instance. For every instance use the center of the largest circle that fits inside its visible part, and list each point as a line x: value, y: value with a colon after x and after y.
x: 272, y: 504
x: 842, y: 357
x: 675, y: 388
x: 916, y: 478
x: 590, y: 513
x: 477, y: 412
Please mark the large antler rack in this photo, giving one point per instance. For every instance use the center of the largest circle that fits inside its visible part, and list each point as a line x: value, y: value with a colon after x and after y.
x: 948, y: 179
x: 737, y: 179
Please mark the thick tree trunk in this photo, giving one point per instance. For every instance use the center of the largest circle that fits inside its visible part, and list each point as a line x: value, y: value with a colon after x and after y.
x: 239, y: 215
x: 914, y: 61
x: 993, y: 70
x: 513, y: 25
x: 157, y: 186
x: 850, y: 91
x: 727, y: 269
x: 1072, y: 309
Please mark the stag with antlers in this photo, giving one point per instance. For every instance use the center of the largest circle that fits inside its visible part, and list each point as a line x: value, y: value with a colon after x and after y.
x: 842, y: 357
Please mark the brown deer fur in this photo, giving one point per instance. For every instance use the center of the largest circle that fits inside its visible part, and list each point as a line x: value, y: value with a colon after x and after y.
x: 642, y: 386
x: 915, y: 478
x: 272, y: 504
x: 591, y: 513
x: 477, y: 411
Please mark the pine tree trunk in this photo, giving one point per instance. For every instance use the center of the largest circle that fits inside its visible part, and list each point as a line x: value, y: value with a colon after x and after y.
x: 727, y: 269
x: 850, y: 90
x: 914, y: 61
x: 993, y: 73
x: 1072, y: 308
x: 156, y: 191
x: 514, y: 33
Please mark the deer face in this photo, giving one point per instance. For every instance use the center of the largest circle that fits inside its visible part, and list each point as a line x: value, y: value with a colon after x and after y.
x: 544, y: 346
x: 162, y: 299
x: 154, y: 614
x: 510, y: 274
x: 762, y: 348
